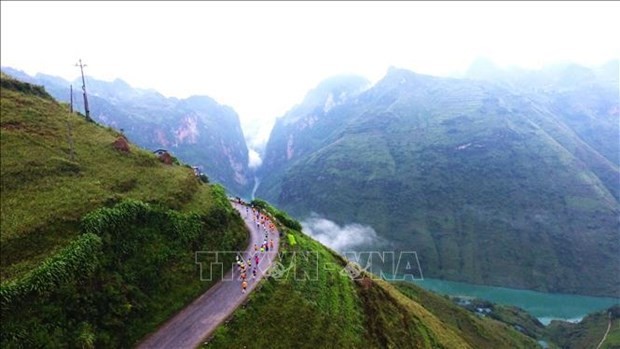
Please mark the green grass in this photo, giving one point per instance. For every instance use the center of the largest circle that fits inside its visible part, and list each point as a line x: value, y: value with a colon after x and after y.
x: 286, y: 313
x: 56, y: 169
x: 478, y: 332
x: 395, y: 321
x: 588, y: 332
x: 613, y: 338
x: 559, y: 334
x: 339, y: 312
x: 45, y: 190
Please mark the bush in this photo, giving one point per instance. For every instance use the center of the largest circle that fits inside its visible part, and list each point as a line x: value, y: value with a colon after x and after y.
x: 281, y: 216
x: 78, y: 259
x: 291, y: 239
x: 288, y: 221
x: 132, y: 268
x: 204, y: 178
x: 25, y: 87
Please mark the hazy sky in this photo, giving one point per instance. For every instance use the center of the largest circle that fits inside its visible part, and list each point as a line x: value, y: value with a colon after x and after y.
x: 262, y: 58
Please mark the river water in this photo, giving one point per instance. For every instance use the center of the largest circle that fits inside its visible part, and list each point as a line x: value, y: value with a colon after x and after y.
x: 544, y: 306
x: 256, y: 184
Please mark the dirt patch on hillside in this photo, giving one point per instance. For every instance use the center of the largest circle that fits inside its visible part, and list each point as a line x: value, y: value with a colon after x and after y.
x: 11, y: 126
x: 121, y: 145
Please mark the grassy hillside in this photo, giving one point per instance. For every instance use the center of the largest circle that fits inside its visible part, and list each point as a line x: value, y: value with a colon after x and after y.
x: 476, y: 329
x: 97, y: 243
x: 589, y: 332
x: 199, y: 131
x: 332, y: 309
x: 47, y: 189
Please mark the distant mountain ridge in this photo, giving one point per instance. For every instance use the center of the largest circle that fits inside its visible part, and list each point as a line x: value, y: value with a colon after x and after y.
x: 197, y: 130
x: 587, y: 98
x: 509, y: 180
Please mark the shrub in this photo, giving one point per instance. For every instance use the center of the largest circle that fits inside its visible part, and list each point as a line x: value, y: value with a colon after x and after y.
x: 291, y: 239
x: 78, y: 259
x: 203, y: 177
x: 281, y: 216
x: 25, y: 87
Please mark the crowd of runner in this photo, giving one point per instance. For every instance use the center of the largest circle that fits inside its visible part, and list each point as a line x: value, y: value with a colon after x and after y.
x: 249, y: 266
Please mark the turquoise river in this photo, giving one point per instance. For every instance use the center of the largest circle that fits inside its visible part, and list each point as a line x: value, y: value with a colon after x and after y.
x: 544, y: 306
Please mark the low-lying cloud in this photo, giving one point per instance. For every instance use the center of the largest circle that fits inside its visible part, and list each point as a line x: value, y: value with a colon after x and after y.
x: 254, y: 159
x: 336, y: 237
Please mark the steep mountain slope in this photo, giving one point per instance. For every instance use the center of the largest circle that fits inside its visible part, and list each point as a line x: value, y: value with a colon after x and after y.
x: 97, y: 235
x: 316, y: 299
x: 585, y: 100
x: 487, y: 184
x: 289, y: 140
x: 197, y: 130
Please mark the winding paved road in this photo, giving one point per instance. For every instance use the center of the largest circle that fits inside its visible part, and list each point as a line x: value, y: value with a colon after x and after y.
x: 197, y: 321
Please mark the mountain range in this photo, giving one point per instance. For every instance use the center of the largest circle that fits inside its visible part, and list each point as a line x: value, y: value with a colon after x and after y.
x: 503, y: 177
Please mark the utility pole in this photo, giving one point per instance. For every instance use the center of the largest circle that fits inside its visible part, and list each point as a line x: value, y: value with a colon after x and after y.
x: 69, y: 135
x: 86, y: 111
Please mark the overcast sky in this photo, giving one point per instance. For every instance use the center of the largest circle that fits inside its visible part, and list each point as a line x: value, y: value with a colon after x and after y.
x: 262, y: 58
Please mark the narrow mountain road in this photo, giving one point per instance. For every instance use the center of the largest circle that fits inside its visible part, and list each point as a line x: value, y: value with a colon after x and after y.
x: 189, y: 327
x: 606, y: 332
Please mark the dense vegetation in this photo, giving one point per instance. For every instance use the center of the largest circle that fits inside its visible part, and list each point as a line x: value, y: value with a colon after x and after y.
x: 329, y: 308
x: 489, y: 184
x: 97, y: 244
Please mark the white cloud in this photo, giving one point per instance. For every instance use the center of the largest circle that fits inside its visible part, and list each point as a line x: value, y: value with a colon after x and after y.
x: 257, y: 133
x: 254, y: 159
x: 340, y: 238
